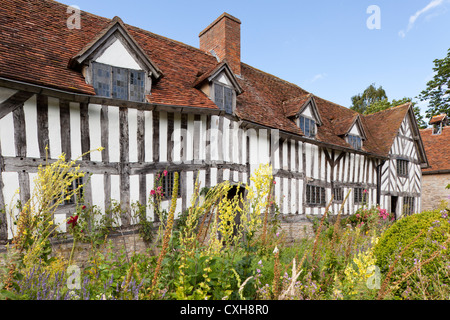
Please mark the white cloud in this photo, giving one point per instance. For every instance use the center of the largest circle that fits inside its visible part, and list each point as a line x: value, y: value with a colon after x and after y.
x: 318, y: 77
x: 413, y: 18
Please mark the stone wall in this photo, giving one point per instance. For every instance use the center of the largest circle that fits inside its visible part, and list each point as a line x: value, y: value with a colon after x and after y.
x: 296, y: 227
x: 434, y: 191
x: 128, y: 241
x: 124, y: 241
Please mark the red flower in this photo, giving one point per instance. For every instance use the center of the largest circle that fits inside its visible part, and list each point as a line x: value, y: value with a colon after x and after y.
x: 83, y: 207
x: 73, y: 221
x: 165, y: 173
x: 152, y: 192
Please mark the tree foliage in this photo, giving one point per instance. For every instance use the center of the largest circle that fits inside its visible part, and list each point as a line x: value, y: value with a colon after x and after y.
x: 437, y: 92
x: 374, y: 100
x: 371, y: 95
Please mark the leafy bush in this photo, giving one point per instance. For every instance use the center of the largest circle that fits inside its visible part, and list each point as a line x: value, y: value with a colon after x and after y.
x: 415, y: 238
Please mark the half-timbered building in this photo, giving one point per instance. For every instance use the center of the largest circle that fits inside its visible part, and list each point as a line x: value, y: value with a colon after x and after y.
x: 156, y: 104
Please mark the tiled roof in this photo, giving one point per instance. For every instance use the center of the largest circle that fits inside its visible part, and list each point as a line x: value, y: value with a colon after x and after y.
x: 293, y: 106
x: 437, y: 147
x: 36, y: 47
x: 343, y: 124
x: 382, y: 128
x: 438, y: 118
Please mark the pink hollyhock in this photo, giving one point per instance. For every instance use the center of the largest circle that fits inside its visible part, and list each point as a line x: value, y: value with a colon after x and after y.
x: 165, y: 173
x: 152, y: 192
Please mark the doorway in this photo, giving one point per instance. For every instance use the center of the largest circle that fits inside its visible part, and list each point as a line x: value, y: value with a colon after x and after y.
x: 239, y: 191
x: 394, y: 202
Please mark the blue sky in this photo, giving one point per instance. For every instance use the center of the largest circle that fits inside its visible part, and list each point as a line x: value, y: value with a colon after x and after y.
x: 323, y: 46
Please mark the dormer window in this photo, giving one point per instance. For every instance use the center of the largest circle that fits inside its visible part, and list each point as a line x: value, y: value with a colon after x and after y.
x: 355, y: 141
x: 437, y: 128
x: 221, y: 86
x: 303, y: 112
x: 352, y: 130
x: 223, y: 97
x: 308, y: 126
x: 116, y: 66
x: 118, y: 83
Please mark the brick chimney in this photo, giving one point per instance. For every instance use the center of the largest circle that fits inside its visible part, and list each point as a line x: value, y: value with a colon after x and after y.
x: 222, y: 38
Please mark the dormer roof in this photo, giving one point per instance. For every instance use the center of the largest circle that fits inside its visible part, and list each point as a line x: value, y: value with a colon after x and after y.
x: 214, y: 72
x: 343, y: 126
x: 295, y: 106
x: 440, y: 118
x: 115, y: 30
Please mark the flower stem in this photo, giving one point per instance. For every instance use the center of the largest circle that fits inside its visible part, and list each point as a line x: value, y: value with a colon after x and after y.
x: 73, y: 249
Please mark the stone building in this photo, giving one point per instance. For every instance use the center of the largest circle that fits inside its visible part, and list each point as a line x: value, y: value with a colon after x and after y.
x: 435, y: 178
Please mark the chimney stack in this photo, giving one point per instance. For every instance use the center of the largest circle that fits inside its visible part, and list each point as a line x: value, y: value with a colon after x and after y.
x: 222, y: 38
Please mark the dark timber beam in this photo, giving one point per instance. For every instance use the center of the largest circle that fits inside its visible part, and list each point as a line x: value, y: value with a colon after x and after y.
x: 13, y: 102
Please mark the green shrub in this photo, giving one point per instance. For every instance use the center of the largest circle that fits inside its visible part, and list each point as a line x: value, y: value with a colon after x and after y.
x: 434, y: 227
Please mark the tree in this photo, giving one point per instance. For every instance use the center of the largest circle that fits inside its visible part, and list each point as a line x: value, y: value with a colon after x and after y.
x: 360, y: 102
x: 376, y: 100
x: 379, y: 105
x: 437, y: 93
x: 385, y: 104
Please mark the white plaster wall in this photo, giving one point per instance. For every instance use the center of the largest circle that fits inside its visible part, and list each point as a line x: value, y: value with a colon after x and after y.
x: 7, y: 136
x: 148, y: 116
x: 98, y: 191
x: 114, y: 134
x: 117, y: 55
x: 30, y: 113
x: 54, y: 128
x: 11, y: 196
x: 163, y: 136
x: 95, y: 132
x: 75, y: 130
x: 132, y: 135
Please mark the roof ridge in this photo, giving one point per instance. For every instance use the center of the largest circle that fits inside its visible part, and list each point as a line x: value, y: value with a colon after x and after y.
x: 109, y: 20
x: 167, y: 39
x: 387, y: 110
x: 275, y: 77
x: 338, y: 105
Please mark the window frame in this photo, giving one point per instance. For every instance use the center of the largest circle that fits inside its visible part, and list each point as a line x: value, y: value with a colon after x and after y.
x: 113, y: 70
x: 225, y: 89
x: 315, y: 192
x: 437, y: 129
x: 168, y: 183
x: 355, y: 141
x: 78, y: 196
x: 338, y: 194
x: 302, y: 120
x: 359, y: 196
x: 408, y: 201
x: 402, y: 168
